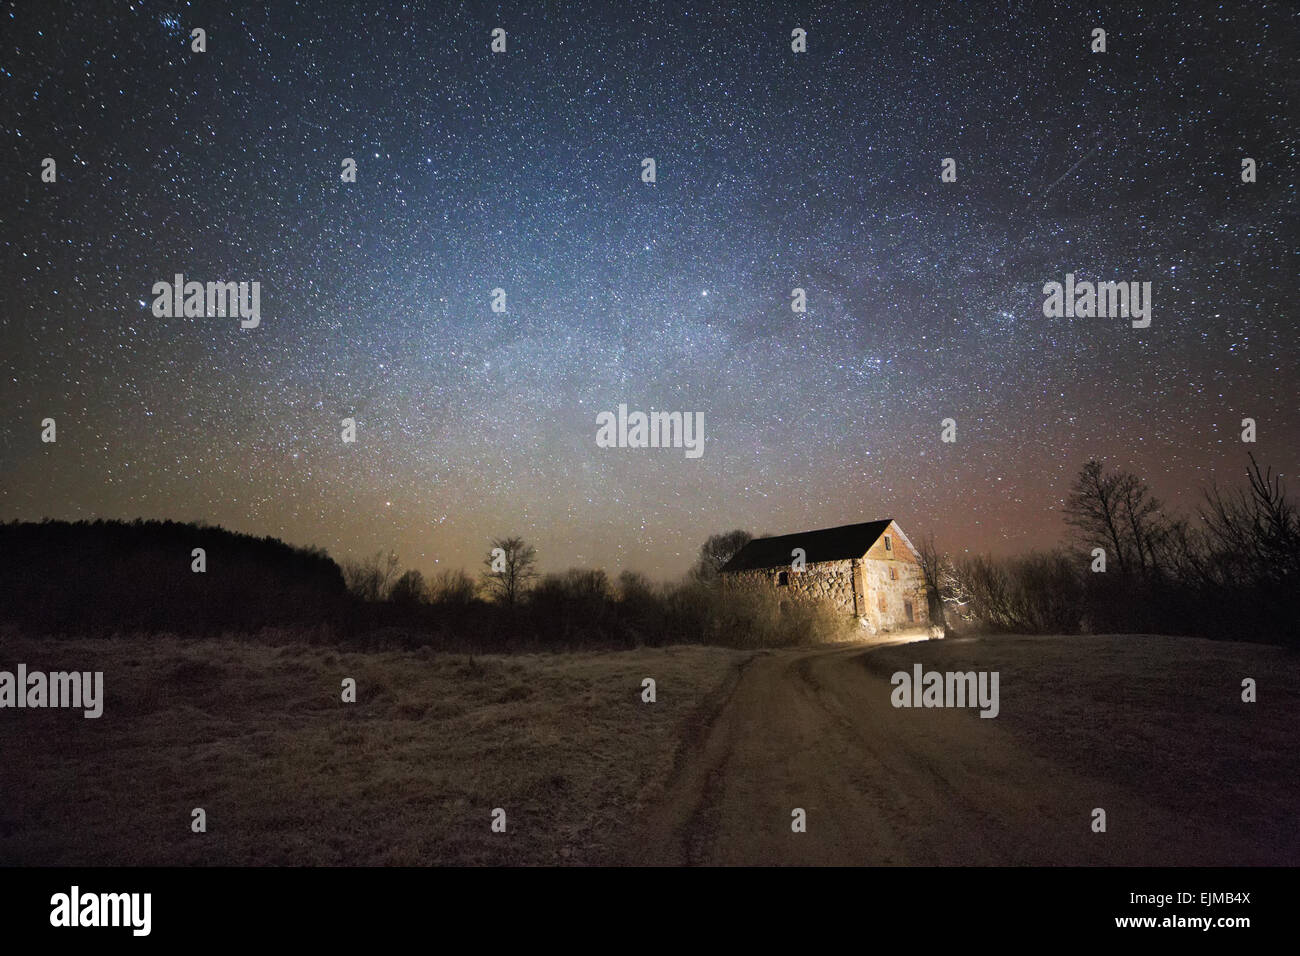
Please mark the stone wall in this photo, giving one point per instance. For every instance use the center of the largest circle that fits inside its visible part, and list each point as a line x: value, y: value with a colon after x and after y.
x: 886, y: 595
x: 830, y: 581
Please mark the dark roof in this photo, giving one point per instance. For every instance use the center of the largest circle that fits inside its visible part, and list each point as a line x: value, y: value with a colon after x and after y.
x: 828, y: 544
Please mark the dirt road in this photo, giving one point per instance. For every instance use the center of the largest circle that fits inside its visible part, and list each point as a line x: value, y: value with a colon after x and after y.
x: 880, y: 785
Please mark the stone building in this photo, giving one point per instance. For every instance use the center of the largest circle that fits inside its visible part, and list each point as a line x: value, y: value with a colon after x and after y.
x: 869, y: 570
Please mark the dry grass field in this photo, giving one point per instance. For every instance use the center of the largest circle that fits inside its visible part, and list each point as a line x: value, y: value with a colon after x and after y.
x: 1151, y: 728
x: 1160, y: 718
x: 258, y: 737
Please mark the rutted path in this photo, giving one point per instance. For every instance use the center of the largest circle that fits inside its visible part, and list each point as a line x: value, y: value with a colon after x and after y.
x: 816, y: 730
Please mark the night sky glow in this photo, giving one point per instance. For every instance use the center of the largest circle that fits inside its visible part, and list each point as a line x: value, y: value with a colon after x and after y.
x: 522, y: 171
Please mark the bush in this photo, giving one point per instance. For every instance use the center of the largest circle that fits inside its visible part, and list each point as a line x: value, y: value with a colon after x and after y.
x: 574, y: 606
x: 453, y: 588
x: 1039, y: 593
x: 747, y: 615
x: 409, y: 589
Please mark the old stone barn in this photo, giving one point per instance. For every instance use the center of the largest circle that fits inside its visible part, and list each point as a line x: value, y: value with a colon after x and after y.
x: 869, y: 570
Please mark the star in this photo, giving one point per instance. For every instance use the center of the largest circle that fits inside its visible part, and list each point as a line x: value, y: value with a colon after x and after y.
x: 777, y: 171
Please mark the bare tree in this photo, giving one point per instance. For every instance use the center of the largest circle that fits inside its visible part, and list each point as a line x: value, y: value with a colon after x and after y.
x: 1117, y: 512
x: 1092, y: 510
x: 932, y: 563
x: 1254, y: 535
x: 452, y: 586
x: 371, y: 578
x: 717, y: 551
x: 510, y: 568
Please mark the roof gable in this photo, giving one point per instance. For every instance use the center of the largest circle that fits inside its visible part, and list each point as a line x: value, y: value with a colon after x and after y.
x: 828, y: 544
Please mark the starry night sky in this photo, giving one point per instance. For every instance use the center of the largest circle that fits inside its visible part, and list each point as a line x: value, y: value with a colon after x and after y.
x: 522, y: 170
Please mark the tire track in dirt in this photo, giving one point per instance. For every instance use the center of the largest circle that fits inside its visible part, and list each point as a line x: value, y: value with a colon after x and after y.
x: 883, y: 785
x: 681, y: 813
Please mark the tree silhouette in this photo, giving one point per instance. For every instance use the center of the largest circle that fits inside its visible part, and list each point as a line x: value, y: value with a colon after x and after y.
x: 717, y: 551
x: 510, y: 568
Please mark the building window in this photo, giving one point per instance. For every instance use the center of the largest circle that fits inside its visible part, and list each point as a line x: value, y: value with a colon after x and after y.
x: 893, y: 573
x: 889, y: 545
x: 782, y: 579
x: 907, y: 609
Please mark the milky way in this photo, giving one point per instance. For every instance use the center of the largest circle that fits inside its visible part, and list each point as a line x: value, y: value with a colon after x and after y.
x: 521, y: 171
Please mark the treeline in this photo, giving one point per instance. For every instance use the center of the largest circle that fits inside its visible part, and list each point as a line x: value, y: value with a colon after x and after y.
x: 104, y: 577
x: 98, y: 576
x: 1231, y: 570
x: 511, y: 607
